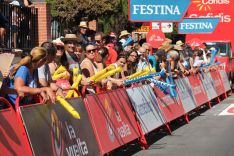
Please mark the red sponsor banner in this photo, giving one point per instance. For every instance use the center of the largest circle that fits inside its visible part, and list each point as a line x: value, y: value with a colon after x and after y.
x: 155, y: 38
x: 198, y: 90
x: 11, y: 140
x: 113, y: 120
x: 211, y: 5
x: 218, y: 84
x: 172, y: 108
x: 222, y: 9
x: 195, y: 42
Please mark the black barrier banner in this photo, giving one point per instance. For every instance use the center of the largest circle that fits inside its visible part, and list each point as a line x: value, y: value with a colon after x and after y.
x: 52, y: 131
x: 185, y: 94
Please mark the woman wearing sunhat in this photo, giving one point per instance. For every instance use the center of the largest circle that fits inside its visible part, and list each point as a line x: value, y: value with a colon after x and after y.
x: 83, y: 28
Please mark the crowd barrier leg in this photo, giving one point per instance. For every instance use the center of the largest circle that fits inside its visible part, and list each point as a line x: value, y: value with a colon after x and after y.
x: 218, y: 99
x: 168, y: 128
x: 142, y: 139
x: 209, y: 104
x: 187, y: 118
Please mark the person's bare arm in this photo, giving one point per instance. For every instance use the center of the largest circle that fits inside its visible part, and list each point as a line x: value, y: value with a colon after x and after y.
x: 87, y: 70
x: 21, y: 89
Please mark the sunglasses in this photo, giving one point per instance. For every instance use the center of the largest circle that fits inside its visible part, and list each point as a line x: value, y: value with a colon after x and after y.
x: 60, y: 48
x: 91, y: 50
x: 98, y: 41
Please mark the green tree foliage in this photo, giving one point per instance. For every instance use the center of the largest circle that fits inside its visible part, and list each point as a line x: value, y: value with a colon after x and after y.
x: 112, y: 15
x: 72, y: 9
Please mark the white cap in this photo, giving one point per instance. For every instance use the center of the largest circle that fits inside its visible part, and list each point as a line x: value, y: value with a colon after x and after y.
x: 16, y: 3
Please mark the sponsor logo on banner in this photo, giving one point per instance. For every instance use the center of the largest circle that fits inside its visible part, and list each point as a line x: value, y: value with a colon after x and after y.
x: 225, y: 80
x: 80, y: 147
x: 56, y: 135
x: 51, y: 130
x: 209, y: 9
x: 122, y: 129
x: 217, y: 83
x: 108, y: 126
x: 157, y: 10
x: 146, y: 107
x: 222, y: 9
x: 155, y: 38
x: 114, y: 122
x: 198, y: 25
x: 208, y: 85
x: 185, y: 94
x: 197, y: 90
x: 167, y: 101
x: 143, y: 108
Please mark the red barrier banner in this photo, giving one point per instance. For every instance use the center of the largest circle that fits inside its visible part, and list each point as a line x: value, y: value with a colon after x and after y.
x: 185, y: 93
x: 224, y: 78
x: 198, y: 90
x: 146, y: 107
x: 217, y: 82
x: 208, y: 85
x: 113, y: 119
x: 11, y: 140
x: 172, y: 108
x: 52, y: 131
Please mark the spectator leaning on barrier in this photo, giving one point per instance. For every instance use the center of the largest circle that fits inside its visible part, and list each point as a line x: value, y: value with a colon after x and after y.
x: 117, y: 79
x: 132, y: 61
x: 88, y: 65
x: 101, y: 58
x: 60, y: 56
x: 24, y: 76
x: 44, y: 74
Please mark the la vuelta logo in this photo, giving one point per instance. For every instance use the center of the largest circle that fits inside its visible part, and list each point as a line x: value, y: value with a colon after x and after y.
x: 206, y: 5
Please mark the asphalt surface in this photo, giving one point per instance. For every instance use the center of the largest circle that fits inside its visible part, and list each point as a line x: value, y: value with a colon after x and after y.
x: 207, y: 134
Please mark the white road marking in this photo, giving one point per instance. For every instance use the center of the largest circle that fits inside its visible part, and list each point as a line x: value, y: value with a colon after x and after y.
x: 228, y: 111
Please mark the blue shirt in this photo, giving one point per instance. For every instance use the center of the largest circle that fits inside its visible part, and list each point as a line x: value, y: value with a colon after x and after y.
x: 29, y: 80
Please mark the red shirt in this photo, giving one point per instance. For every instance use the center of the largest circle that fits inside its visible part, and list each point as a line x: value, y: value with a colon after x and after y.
x: 112, y: 56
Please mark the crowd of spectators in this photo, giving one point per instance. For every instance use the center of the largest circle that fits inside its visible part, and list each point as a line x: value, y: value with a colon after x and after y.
x: 33, y: 74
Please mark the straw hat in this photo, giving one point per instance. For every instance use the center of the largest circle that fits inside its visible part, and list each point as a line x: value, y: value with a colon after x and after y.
x: 70, y: 37
x: 166, y: 46
x: 58, y: 42
x: 83, y: 24
x: 177, y: 47
x: 179, y: 43
x: 124, y: 33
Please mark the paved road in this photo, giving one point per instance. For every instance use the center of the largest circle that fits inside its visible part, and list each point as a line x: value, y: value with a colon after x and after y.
x: 208, y: 134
